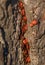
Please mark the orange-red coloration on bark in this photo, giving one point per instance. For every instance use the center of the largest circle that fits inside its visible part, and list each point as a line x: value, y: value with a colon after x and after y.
x: 27, y: 46
x: 23, y: 12
x: 20, y: 4
x: 24, y: 28
x: 25, y: 41
x: 34, y: 22
x: 28, y: 59
x: 24, y: 18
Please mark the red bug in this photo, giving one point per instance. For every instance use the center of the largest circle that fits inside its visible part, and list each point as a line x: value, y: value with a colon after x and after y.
x: 24, y: 18
x: 27, y: 59
x: 20, y: 5
x: 25, y: 41
x: 24, y: 28
x: 34, y: 22
x: 23, y: 12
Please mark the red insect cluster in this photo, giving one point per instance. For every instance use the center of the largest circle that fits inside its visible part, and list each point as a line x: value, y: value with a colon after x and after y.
x: 24, y: 27
x: 26, y: 49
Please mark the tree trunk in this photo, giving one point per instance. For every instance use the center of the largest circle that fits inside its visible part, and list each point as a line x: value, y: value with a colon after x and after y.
x: 10, y: 44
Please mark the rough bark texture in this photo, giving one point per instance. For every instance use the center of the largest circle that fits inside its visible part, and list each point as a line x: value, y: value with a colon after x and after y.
x: 10, y: 32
